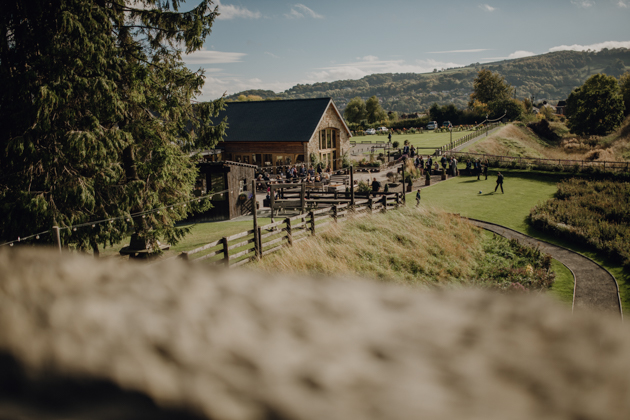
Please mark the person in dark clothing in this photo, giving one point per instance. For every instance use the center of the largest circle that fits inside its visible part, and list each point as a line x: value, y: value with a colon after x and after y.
x: 478, y: 169
x: 485, y: 168
x: 444, y: 162
x: 499, y: 182
x: 376, y: 186
x: 418, y: 198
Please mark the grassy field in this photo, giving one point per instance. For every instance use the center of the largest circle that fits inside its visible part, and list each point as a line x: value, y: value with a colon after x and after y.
x: 201, y: 234
x: 428, y: 139
x: 461, y: 195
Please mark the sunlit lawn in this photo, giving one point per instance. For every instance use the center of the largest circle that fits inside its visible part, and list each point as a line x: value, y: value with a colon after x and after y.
x: 461, y: 195
x: 428, y: 139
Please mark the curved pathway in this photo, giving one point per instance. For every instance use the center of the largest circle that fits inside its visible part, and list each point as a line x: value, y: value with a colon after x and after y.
x: 595, y: 287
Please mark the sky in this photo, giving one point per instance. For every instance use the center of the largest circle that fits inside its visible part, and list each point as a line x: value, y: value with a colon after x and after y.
x: 274, y: 44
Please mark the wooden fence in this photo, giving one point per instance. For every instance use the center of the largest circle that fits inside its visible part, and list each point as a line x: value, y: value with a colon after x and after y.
x: 241, y: 248
x: 466, y: 138
x: 558, y: 165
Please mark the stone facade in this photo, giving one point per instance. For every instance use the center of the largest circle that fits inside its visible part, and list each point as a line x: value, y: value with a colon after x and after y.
x: 330, y: 119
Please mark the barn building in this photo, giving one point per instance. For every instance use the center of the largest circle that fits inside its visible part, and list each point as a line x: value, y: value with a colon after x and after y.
x: 284, y: 132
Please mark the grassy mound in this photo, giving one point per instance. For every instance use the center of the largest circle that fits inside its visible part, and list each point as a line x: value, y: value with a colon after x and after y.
x: 520, y: 141
x: 417, y: 246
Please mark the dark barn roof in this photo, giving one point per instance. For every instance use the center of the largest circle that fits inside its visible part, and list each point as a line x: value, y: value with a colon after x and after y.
x: 271, y: 121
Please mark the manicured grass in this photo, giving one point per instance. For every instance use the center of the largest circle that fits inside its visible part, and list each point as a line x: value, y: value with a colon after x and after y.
x: 428, y: 139
x: 523, y: 191
x: 461, y: 195
x: 562, y: 287
x: 201, y: 234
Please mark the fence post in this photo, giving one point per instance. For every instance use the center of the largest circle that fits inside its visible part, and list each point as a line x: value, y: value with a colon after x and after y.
x: 184, y: 256
x: 397, y: 200
x: 289, y: 233
x: 370, y: 205
x: 226, y: 252
x: 57, y: 237
x: 352, y: 186
x: 312, y: 215
x: 255, y: 212
x: 384, y: 203
x: 334, y: 211
x: 258, y: 244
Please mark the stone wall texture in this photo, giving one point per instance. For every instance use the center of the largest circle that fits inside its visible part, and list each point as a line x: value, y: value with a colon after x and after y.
x: 330, y: 120
x: 81, y: 338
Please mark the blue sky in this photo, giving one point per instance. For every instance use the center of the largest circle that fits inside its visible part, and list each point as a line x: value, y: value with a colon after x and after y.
x: 273, y: 44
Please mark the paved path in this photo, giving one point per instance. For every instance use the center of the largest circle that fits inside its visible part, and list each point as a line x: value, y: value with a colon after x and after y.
x: 595, y: 288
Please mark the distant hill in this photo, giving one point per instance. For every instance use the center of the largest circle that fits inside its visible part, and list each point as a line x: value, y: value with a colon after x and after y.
x: 549, y: 77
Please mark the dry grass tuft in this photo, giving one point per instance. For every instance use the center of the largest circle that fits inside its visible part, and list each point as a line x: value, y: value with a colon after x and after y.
x: 410, y: 246
x: 519, y: 141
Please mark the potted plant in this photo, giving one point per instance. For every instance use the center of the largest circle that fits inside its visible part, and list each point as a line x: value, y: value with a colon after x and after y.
x: 427, y: 177
x: 409, y: 183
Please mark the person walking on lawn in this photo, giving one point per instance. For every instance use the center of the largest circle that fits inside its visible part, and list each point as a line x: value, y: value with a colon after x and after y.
x: 418, y: 198
x: 499, y: 182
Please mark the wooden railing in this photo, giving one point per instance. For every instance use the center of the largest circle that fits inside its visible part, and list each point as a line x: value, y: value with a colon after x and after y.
x: 455, y: 143
x: 250, y: 245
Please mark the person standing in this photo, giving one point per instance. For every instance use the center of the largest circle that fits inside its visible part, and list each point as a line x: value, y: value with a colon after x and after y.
x: 499, y: 182
x: 376, y: 186
x: 485, y: 168
x: 418, y: 198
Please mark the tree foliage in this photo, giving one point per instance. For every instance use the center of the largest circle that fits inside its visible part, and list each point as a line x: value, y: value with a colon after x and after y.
x: 624, y: 84
x: 374, y: 111
x: 596, y: 107
x: 96, y: 120
x: 355, y: 111
x: 489, y: 87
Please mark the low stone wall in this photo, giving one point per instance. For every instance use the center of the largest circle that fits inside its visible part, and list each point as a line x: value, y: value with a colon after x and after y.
x: 86, y: 339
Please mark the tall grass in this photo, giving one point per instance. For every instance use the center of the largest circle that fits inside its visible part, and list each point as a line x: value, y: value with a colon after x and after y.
x: 412, y: 245
x: 418, y: 246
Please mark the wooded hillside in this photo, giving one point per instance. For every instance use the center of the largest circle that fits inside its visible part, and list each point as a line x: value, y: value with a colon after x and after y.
x: 548, y: 77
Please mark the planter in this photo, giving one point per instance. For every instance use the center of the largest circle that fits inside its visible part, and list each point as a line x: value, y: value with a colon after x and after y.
x: 443, y: 175
x: 427, y: 181
x: 409, y: 186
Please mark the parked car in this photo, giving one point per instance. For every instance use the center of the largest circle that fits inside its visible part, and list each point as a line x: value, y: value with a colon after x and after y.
x: 432, y: 125
x: 370, y: 131
x: 447, y: 124
x: 382, y: 130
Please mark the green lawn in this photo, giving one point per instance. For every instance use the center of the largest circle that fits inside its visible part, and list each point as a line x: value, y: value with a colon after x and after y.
x: 201, y: 234
x: 461, y: 195
x: 523, y: 191
x: 428, y: 139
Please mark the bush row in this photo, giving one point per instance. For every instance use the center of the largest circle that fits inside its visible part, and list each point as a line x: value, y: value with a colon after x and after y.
x: 596, y: 213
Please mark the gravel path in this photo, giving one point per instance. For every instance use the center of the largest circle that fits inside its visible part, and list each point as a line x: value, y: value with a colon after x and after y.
x: 595, y: 287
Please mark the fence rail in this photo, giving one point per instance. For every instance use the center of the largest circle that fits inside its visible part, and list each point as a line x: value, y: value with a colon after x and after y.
x: 560, y: 165
x: 250, y: 245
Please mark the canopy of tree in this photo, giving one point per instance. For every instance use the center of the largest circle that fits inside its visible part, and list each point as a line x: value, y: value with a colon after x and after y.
x: 596, y: 107
x: 96, y: 120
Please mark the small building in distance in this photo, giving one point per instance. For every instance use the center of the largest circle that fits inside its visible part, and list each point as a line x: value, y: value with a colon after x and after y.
x: 235, y: 179
x: 284, y: 132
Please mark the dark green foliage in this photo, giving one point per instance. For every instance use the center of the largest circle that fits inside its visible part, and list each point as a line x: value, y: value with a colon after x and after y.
x: 595, y: 213
x: 96, y: 117
x: 549, y: 77
x: 596, y: 107
x: 543, y: 130
x: 355, y: 111
x: 373, y: 111
x: 624, y: 84
x: 489, y: 87
x: 508, y: 265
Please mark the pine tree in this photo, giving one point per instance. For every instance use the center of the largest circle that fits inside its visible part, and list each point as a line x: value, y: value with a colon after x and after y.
x: 96, y: 120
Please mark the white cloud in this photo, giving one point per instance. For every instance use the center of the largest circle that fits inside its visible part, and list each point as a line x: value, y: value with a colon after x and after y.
x: 212, y: 57
x: 487, y: 7
x: 228, y: 12
x: 583, y: 4
x: 520, y: 54
x: 460, y: 51
x: 592, y: 47
x: 299, y: 11
x: 622, y: 4
x: 272, y: 55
